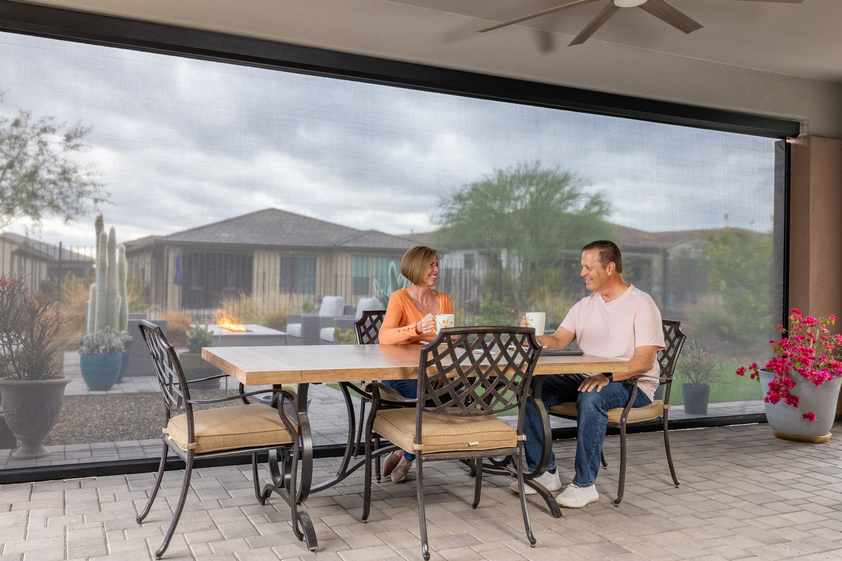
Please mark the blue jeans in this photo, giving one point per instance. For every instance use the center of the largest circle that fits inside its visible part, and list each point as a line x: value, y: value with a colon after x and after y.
x: 407, y: 388
x: 592, y: 409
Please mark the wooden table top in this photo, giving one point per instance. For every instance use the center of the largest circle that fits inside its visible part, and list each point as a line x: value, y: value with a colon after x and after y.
x: 258, y: 366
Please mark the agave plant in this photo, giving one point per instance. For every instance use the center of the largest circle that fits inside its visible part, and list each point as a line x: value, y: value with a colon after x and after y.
x: 396, y: 282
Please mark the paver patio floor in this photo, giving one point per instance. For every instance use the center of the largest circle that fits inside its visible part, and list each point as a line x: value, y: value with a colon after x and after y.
x: 744, y: 495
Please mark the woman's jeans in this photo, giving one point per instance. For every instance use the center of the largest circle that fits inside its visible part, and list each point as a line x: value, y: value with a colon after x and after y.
x: 592, y: 421
x: 407, y: 388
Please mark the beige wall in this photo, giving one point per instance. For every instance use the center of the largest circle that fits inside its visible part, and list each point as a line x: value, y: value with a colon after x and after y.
x: 815, y: 226
x: 815, y: 264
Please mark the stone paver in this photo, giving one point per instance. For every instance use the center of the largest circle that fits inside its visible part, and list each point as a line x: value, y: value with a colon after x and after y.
x: 744, y: 496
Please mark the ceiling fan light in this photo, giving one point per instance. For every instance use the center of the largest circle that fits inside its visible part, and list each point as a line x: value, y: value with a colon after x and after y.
x: 628, y: 3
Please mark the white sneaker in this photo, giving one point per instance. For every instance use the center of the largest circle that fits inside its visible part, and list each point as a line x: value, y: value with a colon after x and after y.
x: 577, y: 497
x: 547, y: 479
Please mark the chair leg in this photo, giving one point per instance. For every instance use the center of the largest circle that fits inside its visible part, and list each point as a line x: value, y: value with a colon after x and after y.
x: 363, y: 401
x: 602, y: 458
x: 258, y: 492
x: 377, y: 459
x: 157, y: 485
x: 185, y: 487
x: 367, y: 480
x: 669, y: 455
x: 622, y: 483
x: 477, y: 469
x: 526, y: 523
x: 422, y: 515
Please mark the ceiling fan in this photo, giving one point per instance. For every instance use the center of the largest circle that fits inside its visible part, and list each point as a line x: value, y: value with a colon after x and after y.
x: 661, y: 9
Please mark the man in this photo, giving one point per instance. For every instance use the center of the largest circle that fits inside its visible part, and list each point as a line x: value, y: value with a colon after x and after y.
x: 617, y: 321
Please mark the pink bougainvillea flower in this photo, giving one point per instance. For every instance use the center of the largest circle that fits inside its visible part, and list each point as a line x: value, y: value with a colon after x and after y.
x: 807, y: 349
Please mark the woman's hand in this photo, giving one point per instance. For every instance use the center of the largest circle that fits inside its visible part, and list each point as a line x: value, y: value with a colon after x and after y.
x: 426, y: 324
x: 523, y: 321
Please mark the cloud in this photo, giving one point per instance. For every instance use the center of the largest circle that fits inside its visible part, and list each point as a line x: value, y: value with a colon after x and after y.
x: 182, y: 143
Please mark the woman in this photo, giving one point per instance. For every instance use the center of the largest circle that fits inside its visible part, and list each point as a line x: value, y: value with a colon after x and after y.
x: 410, y: 320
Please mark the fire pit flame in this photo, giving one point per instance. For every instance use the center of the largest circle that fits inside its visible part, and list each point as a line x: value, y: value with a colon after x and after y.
x: 226, y: 322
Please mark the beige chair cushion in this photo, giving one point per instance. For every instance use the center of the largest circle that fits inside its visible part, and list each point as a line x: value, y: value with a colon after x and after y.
x: 229, y: 428
x: 443, y: 433
x: 636, y: 415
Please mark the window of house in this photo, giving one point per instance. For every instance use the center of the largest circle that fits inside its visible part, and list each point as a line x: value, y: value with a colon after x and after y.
x: 361, y: 278
x: 298, y: 275
x: 382, y: 275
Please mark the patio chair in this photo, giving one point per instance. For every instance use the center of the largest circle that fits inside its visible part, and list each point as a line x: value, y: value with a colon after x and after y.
x: 367, y: 329
x: 246, y: 428
x: 466, y: 377
x: 658, y: 409
x: 315, y: 329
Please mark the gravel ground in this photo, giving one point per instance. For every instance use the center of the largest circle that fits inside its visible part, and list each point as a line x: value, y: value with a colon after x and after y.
x: 114, y: 417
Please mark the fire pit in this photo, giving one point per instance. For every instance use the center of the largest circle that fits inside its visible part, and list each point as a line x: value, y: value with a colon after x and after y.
x: 252, y: 336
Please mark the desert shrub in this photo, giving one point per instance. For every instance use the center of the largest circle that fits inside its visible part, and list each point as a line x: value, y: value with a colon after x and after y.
x: 73, y: 305
x: 347, y: 337
x: 178, y: 324
x: 496, y: 312
x: 250, y: 309
x: 554, y: 302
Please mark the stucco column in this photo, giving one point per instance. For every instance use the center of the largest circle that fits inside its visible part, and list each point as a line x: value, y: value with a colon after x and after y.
x: 815, y: 259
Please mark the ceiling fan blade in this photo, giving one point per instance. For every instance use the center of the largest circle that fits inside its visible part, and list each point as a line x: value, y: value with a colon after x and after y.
x: 665, y: 11
x: 780, y: 1
x: 535, y: 15
x: 596, y: 23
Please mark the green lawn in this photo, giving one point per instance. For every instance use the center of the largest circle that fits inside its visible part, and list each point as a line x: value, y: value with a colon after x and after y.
x: 730, y: 388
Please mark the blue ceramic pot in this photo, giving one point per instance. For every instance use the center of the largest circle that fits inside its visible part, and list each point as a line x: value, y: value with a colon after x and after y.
x: 100, y: 371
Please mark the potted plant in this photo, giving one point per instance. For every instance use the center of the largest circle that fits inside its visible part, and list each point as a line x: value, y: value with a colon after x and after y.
x: 101, y: 357
x: 801, y: 382
x: 697, y: 370
x: 32, y: 381
x: 194, y: 366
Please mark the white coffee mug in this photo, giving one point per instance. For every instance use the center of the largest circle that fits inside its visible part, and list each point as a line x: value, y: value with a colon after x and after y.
x: 537, y: 320
x: 445, y: 320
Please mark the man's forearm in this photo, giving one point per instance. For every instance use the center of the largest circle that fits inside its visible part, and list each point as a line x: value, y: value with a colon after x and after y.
x: 640, y: 363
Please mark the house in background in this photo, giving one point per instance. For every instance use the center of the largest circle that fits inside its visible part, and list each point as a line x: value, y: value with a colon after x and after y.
x: 275, y: 256
x: 42, y: 262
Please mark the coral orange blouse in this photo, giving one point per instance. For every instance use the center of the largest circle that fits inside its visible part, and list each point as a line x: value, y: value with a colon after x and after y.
x: 401, y: 314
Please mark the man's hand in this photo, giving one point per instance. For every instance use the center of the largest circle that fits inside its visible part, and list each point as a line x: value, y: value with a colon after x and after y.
x: 593, y: 382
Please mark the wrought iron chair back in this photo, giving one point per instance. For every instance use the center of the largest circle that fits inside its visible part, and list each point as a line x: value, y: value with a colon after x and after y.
x: 475, y: 371
x: 168, y: 371
x: 668, y: 358
x: 367, y: 328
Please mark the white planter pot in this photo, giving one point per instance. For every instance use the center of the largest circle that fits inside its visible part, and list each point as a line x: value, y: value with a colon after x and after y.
x: 787, y: 422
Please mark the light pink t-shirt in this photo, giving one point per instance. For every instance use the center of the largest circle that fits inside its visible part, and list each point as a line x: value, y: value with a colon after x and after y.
x: 615, y: 329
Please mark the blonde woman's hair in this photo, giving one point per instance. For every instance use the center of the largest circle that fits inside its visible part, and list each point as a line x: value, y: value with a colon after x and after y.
x: 416, y: 261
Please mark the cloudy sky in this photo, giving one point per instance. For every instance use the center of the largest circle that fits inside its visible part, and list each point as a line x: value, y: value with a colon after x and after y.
x: 181, y: 143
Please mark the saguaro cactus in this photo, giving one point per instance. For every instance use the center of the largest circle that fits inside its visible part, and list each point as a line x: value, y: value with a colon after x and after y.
x: 111, y: 288
x: 101, y: 283
x: 122, y: 288
x: 109, y: 303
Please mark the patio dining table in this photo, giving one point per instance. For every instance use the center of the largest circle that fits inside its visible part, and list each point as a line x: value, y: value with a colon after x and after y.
x: 347, y: 364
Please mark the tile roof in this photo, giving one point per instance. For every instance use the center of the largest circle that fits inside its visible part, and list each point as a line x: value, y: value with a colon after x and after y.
x: 273, y: 227
x: 43, y: 250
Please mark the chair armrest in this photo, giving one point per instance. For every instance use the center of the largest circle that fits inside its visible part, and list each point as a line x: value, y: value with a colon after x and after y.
x: 387, y: 394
